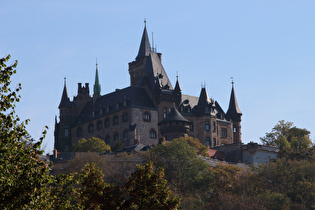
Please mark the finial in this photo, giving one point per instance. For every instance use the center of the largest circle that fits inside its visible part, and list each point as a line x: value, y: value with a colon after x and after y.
x: 96, y: 63
x: 232, y: 82
x: 64, y: 81
x: 204, y: 83
x: 145, y: 22
x: 176, y: 75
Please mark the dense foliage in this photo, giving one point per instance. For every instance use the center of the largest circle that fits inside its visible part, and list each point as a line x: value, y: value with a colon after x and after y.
x: 294, y: 143
x: 91, y: 145
x: 23, y: 176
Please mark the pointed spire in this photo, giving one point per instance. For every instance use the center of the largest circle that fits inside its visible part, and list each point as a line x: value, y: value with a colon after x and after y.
x: 177, y: 86
x: 97, y: 86
x: 65, y: 101
x: 203, y: 98
x: 145, y: 47
x: 233, y: 111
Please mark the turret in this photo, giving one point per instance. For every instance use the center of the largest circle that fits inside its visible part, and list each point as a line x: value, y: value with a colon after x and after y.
x: 234, y: 114
x: 177, y: 93
x: 174, y: 125
x: 62, y: 129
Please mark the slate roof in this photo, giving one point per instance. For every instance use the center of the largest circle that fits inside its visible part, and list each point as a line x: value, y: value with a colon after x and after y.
x: 131, y: 96
x: 233, y: 106
x: 65, y: 101
x: 191, y: 100
x: 155, y: 71
x: 145, y: 47
x: 174, y: 116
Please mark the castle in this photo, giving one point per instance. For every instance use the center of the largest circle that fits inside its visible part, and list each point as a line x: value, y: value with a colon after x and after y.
x: 149, y: 111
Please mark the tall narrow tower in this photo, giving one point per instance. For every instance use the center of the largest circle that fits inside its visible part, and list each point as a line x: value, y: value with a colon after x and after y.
x: 234, y: 113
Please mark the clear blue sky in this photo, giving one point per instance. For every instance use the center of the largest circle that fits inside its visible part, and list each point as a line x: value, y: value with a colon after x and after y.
x: 268, y: 47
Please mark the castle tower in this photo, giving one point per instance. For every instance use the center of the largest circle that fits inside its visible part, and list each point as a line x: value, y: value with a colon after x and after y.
x: 174, y: 125
x: 62, y: 137
x: 147, y: 68
x: 234, y: 113
x: 177, y: 93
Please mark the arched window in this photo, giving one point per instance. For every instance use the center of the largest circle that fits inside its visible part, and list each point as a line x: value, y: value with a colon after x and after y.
x: 152, y: 134
x: 99, y: 125
x: 107, y: 139
x: 125, y: 117
x: 91, y: 128
x: 213, y: 126
x: 79, y: 132
x: 234, y: 129
x: 214, y: 142
x: 115, y: 120
x: 147, y: 116
x: 107, y: 122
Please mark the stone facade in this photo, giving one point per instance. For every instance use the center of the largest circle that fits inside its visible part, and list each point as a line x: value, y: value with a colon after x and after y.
x: 134, y: 114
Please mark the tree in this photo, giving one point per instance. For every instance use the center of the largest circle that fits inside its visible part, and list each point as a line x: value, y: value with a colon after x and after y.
x: 225, y: 179
x: 188, y: 175
x: 95, y: 193
x: 294, y: 143
x: 23, y: 176
x: 193, y: 142
x: 147, y: 189
x: 91, y: 145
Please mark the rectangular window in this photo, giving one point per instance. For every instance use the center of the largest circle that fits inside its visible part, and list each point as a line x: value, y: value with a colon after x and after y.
x: 207, y: 125
x: 66, y: 132
x: 164, y: 112
x: 234, y: 129
x: 223, y: 132
x: 191, y: 127
x: 208, y: 141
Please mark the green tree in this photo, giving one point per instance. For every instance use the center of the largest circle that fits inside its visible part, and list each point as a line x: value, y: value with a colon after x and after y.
x: 147, y: 189
x: 95, y: 193
x: 294, y: 143
x: 91, y: 145
x: 188, y: 175
x: 193, y: 142
x: 225, y: 179
x: 23, y: 176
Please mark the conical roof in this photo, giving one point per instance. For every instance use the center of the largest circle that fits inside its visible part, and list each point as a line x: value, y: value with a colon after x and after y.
x: 97, y: 86
x: 203, y: 98
x: 145, y: 47
x: 65, y: 101
x: 233, y: 106
x: 177, y: 86
x: 174, y: 116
